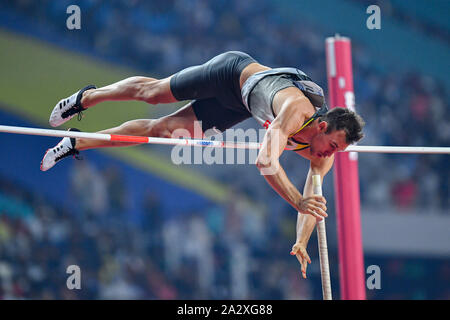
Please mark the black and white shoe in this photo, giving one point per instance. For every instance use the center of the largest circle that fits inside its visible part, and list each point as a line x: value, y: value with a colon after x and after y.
x: 65, y: 148
x: 67, y: 108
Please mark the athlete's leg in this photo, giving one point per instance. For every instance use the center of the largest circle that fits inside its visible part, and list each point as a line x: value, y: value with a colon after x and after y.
x: 213, y: 79
x: 134, y: 88
x: 183, y: 118
x: 145, y: 89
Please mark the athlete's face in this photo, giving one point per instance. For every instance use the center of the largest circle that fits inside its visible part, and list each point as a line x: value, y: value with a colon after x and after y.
x: 325, y: 144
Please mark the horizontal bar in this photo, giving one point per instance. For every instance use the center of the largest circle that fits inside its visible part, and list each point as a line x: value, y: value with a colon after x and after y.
x: 127, y: 138
x: 395, y: 149
x: 54, y: 133
x: 202, y: 143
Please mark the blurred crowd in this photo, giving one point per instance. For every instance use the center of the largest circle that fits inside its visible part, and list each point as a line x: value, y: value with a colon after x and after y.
x: 162, y: 37
x: 391, y: 8
x: 216, y: 253
x: 213, y: 254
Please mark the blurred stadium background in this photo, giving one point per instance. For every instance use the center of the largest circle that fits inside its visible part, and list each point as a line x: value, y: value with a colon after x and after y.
x: 140, y: 227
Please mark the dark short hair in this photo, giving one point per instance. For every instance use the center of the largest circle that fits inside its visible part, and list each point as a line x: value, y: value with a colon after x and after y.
x: 347, y: 120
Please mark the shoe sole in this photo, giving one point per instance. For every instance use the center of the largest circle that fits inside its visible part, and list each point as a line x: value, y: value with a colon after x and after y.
x: 43, y: 160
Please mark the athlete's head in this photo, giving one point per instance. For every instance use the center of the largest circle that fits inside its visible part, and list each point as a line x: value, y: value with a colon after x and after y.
x: 337, y: 129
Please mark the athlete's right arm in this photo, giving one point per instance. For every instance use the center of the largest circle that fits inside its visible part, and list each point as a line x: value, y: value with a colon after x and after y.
x: 288, y: 120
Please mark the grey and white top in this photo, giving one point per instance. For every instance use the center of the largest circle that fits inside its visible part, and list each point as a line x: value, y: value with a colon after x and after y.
x: 259, y: 90
x: 257, y: 96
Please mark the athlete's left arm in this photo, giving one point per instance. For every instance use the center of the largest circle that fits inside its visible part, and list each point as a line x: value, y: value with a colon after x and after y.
x: 306, y: 223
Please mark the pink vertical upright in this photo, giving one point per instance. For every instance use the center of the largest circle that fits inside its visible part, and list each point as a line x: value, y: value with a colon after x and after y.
x: 341, y: 94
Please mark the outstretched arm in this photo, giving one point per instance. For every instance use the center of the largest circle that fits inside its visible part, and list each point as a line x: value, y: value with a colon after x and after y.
x: 275, y: 140
x: 306, y: 223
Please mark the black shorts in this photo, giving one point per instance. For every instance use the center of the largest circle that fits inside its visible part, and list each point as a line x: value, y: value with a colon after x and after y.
x: 215, y: 88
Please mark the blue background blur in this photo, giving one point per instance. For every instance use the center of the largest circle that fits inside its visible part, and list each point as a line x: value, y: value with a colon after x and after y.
x: 142, y: 229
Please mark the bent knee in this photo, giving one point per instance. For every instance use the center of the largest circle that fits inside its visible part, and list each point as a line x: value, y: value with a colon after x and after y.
x: 159, y: 128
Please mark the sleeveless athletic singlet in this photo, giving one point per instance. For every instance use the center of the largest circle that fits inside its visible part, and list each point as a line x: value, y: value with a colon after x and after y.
x: 260, y: 88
